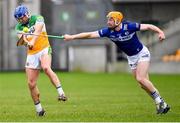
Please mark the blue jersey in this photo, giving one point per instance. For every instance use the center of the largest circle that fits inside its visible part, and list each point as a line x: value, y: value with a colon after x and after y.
x: 126, y: 38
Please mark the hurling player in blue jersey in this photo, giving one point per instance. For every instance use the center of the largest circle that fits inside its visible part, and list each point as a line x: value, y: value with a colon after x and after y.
x: 123, y: 34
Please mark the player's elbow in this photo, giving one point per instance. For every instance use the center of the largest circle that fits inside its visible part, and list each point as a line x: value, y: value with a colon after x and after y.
x: 93, y: 35
x: 149, y: 26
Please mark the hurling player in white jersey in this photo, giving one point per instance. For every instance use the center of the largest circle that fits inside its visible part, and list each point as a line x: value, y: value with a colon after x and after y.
x: 123, y: 34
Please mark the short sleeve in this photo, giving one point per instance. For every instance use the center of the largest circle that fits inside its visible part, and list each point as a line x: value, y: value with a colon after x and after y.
x: 134, y: 26
x: 18, y: 28
x: 40, y: 19
x: 103, y: 32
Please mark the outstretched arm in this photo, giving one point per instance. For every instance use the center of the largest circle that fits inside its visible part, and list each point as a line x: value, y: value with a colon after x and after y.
x: 161, y: 34
x: 84, y: 35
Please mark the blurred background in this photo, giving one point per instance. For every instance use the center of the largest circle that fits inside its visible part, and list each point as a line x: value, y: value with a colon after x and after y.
x: 95, y: 55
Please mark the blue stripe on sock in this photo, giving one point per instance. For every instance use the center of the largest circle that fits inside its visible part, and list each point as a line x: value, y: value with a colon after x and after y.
x: 154, y: 95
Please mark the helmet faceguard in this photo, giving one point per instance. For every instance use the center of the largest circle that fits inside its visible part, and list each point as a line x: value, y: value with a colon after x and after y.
x: 117, y: 17
x: 20, y: 12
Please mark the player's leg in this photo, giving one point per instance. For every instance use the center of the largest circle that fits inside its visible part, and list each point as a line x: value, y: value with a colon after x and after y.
x: 142, y: 77
x: 134, y: 74
x: 32, y: 76
x: 46, y: 66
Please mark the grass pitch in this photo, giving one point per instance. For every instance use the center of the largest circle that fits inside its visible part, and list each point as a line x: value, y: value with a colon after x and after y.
x: 92, y: 97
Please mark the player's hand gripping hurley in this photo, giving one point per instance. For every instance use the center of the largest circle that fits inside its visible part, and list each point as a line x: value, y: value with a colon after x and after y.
x: 21, y: 41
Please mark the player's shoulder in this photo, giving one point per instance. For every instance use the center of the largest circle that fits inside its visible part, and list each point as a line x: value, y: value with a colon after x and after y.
x: 127, y: 22
x: 130, y: 25
x: 35, y: 18
x: 104, y: 32
x: 105, y: 29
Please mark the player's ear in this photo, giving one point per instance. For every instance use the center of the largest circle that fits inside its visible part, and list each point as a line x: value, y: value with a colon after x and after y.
x: 117, y: 22
x: 27, y: 15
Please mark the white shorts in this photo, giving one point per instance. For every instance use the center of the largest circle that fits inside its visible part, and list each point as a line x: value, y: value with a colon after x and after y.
x: 33, y: 61
x: 143, y: 55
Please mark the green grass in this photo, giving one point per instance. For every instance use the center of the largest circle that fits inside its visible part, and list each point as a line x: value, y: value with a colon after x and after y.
x: 92, y: 97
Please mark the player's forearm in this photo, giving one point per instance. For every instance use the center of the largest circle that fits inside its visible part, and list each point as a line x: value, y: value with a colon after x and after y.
x: 38, y: 30
x: 82, y: 35
x: 161, y: 34
x: 34, y: 38
x: 155, y: 29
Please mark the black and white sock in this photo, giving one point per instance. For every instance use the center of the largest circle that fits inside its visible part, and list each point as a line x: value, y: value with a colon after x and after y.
x: 157, y: 98
x: 38, y: 106
x: 60, y: 90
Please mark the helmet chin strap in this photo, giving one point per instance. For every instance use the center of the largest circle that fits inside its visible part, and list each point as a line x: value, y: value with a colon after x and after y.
x: 116, y: 27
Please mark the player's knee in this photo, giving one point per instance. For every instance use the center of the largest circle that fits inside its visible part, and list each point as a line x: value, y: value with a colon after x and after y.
x: 46, y: 69
x: 31, y: 84
x: 140, y: 79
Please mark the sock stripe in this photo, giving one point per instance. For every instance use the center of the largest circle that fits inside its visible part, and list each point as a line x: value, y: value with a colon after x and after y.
x: 154, y: 95
x: 36, y: 103
x: 58, y: 87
